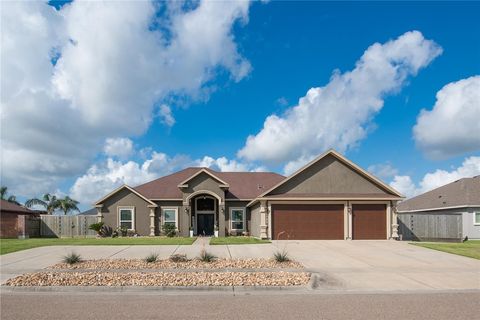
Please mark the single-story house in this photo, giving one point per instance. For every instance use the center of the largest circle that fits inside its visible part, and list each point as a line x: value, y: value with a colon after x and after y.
x: 329, y: 198
x: 450, y: 212
x: 13, y: 220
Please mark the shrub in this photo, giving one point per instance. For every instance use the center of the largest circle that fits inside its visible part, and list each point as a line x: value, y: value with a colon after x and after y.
x: 169, y: 229
x: 96, y: 227
x: 123, y: 231
x: 281, y: 256
x: 206, y: 256
x: 105, y: 231
x: 178, y: 258
x: 72, y: 258
x: 152, y: 257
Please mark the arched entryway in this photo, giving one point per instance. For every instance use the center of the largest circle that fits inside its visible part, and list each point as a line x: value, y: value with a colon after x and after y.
x: 205, y: 214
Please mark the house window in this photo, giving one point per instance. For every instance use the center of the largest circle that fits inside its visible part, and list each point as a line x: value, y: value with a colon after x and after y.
x: 476, y: 218
x: 237, y: 219
x: 170, y: 216
x: 126, y: 218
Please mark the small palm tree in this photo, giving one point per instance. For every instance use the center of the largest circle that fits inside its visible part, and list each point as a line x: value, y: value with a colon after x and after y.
x: 4, y: 193
x: 67, y: 204
x: 48, y: 201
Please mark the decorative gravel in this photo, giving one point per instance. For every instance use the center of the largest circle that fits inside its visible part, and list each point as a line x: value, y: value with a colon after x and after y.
x: 112, y: 264
x: 98, y: 278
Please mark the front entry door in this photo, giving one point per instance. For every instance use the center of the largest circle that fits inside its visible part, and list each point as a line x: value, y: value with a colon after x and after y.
x: 205, y: 224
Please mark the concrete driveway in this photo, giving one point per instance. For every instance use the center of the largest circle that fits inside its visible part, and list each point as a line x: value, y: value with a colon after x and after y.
x: 342, y: 265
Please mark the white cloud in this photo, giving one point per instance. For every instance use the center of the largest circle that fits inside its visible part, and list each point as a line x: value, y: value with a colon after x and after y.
x: 383, y: 170
x: 165, y: 114
x: 405, y: 185
x: 118, y: 147
x: 112, y: 69
x: 222, y: 164
x: 340, y: 114
x: 469, y: 168
x: 102, y: 178
x: 452, y: 127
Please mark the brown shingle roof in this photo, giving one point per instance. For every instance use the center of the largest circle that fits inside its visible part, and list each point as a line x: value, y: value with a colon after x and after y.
x: 12, y: 207
x: 334, y: 195
x: 243, y: 185
x: 463, y: 192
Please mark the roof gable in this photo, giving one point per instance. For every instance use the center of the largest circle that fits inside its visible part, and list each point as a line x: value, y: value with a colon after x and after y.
x: 100, y: 202
x: 331, y: 173
x: 184, y: 183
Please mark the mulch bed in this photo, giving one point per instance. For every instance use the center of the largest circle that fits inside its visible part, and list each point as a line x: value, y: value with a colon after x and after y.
x: 113, y: 279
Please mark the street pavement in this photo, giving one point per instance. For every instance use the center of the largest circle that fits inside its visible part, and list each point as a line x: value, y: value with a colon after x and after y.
x: 73, y: 306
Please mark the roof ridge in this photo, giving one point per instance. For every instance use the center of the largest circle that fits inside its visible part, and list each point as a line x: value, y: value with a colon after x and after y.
x: 165, y: 176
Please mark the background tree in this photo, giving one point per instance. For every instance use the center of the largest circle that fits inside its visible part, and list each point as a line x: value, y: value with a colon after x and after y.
x: 4, y: 195
x: 67, y: 204
x: 48, y: 201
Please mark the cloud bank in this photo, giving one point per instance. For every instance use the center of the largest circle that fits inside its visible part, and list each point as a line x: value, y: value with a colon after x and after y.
x: 340, y: 114
x: 71, y: 79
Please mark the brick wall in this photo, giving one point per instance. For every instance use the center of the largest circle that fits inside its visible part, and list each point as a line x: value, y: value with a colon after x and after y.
x: 8, y: 225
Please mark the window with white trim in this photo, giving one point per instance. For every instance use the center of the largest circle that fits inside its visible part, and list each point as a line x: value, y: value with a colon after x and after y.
x: 126, y: 218
x: 476, y: 217
x: 237, y: 218
x: 170, y: 216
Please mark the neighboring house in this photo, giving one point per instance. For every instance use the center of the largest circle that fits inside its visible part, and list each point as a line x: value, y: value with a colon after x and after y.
x: 450, y: 212
x: 89, y: 212
x: 329, y: 198
x: 13, y: 219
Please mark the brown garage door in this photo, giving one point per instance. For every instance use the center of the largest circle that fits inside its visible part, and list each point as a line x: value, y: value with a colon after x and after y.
x: 307, y: 221
x: 369, y: 221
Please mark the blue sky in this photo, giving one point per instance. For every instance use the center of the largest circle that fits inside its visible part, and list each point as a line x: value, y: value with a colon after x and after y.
x: 270, y: 55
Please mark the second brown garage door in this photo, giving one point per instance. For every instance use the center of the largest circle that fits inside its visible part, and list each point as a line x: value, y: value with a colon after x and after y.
x: 369, y: 221
x: 307, y: 221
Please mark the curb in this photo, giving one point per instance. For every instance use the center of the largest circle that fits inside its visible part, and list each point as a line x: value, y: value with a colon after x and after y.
x: 182, y: 289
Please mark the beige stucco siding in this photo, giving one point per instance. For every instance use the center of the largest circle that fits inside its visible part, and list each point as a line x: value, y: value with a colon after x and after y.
x: 328, y: 175
x: 182, y: 223
x: 255, y: 220
x: 126, y: 198
x: 203, y: 182
x: 236, y: 204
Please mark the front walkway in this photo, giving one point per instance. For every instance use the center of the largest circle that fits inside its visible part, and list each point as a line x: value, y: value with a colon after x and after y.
x: 342, y: 265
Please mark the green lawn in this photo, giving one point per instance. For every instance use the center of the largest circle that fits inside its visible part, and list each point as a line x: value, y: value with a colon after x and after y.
x: 12, y: 245
x: 469, y: 248
x: 236, y: 240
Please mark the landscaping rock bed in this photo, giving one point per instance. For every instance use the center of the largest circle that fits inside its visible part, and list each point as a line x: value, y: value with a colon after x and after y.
x: 113, y: 279
x: 112, y: 264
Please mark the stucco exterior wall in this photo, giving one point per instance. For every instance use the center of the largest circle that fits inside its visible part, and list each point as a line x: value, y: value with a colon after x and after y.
x: 328, y: 175
x: 182, y: 223
x: 127, y: 198
x: 236, y: 204
x: 255, y: 220
x: 203, y: 182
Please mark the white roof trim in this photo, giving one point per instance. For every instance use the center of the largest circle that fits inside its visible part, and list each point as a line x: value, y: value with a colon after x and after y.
x: 184, y: 183
x: 339, y: 157
x: 441, y: 208
x: 153, y: 204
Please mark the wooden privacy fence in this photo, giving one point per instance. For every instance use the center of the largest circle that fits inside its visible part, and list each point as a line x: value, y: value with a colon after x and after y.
x: 66, y: 226
x: 430, y: 226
